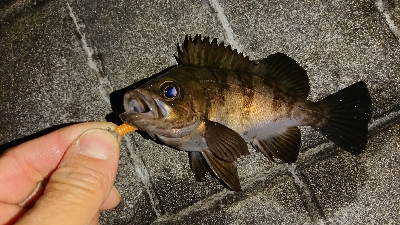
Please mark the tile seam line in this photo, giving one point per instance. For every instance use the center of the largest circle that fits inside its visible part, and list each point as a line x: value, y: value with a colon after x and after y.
x: 306, y: 193
x: 105, y: 85
x: 143, y: 174
x: 372, y: 128
x: 211, y: 200
x: 392, y: 26
x: 225, y: 24
x: 105, y: 88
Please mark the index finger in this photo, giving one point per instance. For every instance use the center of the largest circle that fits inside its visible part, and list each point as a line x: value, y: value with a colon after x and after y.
x: 23, y: 166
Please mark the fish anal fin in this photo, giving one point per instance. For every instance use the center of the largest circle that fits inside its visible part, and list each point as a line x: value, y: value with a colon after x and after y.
x: 285, y: 146
x: 286, y: 72
x: 226, y: 171
x: 198, y: 165
x: 223, y: 142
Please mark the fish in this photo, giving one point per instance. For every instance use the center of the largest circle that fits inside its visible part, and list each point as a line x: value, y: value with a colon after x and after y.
x: 216, y: 100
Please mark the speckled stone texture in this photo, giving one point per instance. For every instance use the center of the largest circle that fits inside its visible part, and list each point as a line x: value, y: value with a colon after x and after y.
x: 70, y: 61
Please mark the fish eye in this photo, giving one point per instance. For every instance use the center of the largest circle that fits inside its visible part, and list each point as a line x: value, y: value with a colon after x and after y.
x: 170, y: 91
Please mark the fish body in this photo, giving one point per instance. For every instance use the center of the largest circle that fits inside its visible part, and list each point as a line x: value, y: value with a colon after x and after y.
x: 216, y: 101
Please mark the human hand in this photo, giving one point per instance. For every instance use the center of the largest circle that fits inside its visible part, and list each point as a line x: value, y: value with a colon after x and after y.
x: 79, y: 164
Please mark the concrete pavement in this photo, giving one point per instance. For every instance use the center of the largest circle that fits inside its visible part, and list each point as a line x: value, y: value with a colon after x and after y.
x: 69, y: 61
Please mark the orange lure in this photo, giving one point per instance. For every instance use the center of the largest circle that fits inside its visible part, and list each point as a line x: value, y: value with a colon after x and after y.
x: 124, y: 128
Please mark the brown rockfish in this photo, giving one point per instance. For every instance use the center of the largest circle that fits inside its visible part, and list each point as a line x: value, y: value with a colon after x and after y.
x: 216, y: 100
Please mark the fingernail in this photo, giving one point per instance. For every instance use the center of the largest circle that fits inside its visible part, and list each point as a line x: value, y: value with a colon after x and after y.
x: 116, y: 191
x: 97, y: 143
x: 114, y: 133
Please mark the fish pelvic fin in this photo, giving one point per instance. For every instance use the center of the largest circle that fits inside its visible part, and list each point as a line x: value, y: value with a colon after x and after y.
x: 284, y: 147
x: 198, y: 165
x: 348, y: 113
x: 225, y: 171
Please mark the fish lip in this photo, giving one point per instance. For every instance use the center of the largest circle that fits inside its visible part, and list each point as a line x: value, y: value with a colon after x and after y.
x: 133, y: 104
x: 149, y: 112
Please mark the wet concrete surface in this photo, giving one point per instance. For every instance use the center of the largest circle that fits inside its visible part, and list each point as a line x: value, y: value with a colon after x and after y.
x: 65, y: 62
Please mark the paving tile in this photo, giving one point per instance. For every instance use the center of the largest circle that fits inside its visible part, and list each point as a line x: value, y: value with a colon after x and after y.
x: 61, y: 61
x: 45, y: 77
x: 360, y: 190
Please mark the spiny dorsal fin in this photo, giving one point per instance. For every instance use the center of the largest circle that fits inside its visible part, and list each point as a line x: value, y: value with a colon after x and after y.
x: 278, y: 67
x: 202, y: 53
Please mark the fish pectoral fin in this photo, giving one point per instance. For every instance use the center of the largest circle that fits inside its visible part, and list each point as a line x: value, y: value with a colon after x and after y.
x: 198, y: 165
x: 223, y: 142
x: 285, y: 146
x: 226, y: 171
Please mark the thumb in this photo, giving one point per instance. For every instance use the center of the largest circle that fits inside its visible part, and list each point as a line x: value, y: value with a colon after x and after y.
x: 81, y: 184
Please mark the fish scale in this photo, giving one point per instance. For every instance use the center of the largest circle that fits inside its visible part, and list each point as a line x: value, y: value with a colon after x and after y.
x: 262, y: 112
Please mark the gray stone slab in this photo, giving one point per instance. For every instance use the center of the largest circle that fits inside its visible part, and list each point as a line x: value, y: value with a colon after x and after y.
x: 137, y: 40
x: 391, y: 12
x: 337, y: 42
x: 377, y: 198
x: 45, y: 77
x: 61, y: 61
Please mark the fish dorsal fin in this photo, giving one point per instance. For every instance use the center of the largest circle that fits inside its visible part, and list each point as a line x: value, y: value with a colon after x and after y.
x: 286, y: 72
x: 278, y: 67
x: 202, y: 53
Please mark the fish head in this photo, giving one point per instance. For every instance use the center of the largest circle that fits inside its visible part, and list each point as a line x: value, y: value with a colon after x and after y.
x: 172, y: 105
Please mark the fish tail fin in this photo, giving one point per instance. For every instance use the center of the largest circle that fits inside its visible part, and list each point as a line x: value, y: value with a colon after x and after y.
x: 347, y: 116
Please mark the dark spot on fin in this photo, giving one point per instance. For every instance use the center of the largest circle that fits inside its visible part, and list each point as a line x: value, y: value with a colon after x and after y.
x: 286, y: 72
x: 348, y: 112
x: 284, y: 147
x: 198, y: 166
x: 226, y: 171
x: 223, y: 142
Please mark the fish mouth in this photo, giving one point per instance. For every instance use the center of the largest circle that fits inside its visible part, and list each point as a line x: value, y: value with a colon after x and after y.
x: 143, y: 106
x: 148, y: 112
